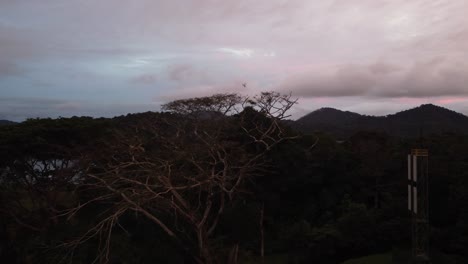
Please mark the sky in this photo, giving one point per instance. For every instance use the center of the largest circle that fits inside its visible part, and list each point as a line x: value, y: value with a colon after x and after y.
x: 112, y: 57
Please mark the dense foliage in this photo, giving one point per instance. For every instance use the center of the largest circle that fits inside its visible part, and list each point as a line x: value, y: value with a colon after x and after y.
x: 313, y: 200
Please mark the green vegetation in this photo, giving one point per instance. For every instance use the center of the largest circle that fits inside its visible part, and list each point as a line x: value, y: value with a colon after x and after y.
x: 215, y: 185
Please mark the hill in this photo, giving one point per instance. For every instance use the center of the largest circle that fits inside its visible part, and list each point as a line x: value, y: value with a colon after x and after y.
x: 6, y: 122
x: 425, y: 119
x: 330, y: 120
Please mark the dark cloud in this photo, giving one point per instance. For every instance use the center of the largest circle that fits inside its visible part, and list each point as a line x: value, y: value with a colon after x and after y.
x: 383, y: 68
x: 99, y: 50
x: 19, y: 43
x: 146, y: 79
x: 343, y: 81
x: 182, y: 72
x: 436, y: 77
x: 8, y: 69
x: 188, y: 76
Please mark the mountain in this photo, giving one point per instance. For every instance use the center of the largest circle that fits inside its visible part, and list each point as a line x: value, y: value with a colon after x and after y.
x: 328, y: 115
x: 333, y: 121
x: 423, y: 120
x: 6, y: 122
x: 426, y: 119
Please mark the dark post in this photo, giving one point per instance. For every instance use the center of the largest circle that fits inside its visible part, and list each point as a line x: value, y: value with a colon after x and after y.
x: 418, y: 204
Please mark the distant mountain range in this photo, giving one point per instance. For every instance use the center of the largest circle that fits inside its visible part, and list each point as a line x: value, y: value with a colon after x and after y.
x: 423, y: 120
x: 426, y: 119
x: 6, y: 122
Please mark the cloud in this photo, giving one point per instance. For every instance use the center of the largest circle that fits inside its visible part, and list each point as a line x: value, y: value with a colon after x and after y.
x: 182, y: 72
x: 8, y: 69
x: 336, y: 48
x: 430, y: 78
x: 145, y: 79
x: 187, y: 76
x: 383, y: 68
x: 347, y: 80
x: 18, y: 42
x: 246, y: 53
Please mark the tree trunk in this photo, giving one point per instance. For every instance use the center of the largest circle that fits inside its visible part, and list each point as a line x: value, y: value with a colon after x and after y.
x: 233, y: 254
x: 204, y: 251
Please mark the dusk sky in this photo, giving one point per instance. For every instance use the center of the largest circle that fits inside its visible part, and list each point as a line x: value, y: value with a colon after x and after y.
x: 111, y: 57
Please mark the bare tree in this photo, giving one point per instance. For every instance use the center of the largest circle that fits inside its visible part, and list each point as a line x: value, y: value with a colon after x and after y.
x: 183, y: 167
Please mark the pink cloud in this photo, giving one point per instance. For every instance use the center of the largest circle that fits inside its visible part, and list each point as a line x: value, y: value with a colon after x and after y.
x: 451, y: 100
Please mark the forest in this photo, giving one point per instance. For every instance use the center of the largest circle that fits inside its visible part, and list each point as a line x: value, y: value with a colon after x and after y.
x: 221, y: 179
